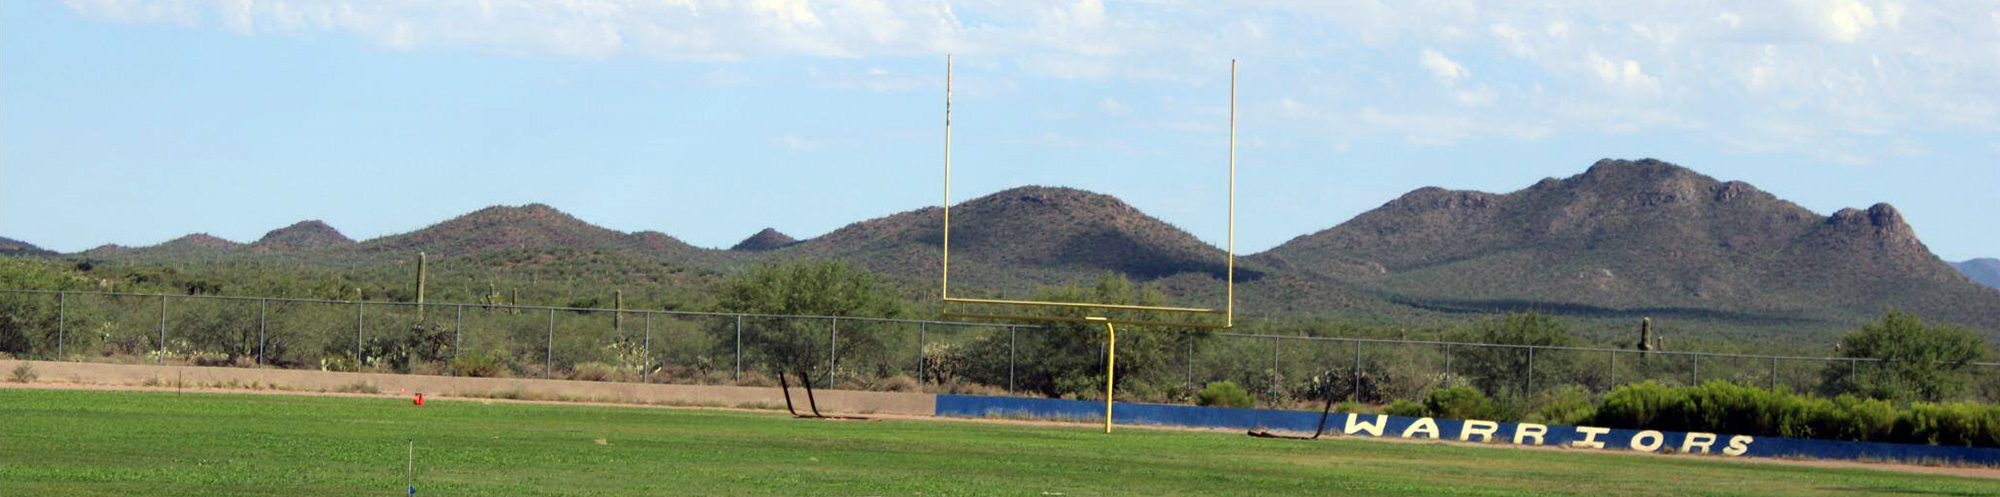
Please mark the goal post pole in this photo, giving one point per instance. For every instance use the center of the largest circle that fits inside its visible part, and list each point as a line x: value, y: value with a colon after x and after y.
x: 1110, y: 368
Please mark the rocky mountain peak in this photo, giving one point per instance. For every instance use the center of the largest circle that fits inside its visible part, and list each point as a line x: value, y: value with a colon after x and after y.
x: 302, y: 235
x: 766, y: 240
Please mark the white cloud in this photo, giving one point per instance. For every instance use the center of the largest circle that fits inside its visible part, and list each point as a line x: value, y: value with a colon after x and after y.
x: 1624, y: 74
x: 1513, y: 38
x: 1445, y: 68
x: 796, y: 144
x: 1730, y: 19
x: 1479, y: 96
x: 1113, y: 107
x: 1847, y: 20
x: 1558, y: 30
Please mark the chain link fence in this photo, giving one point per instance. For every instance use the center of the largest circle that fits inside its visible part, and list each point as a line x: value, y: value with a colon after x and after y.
x: 659, y: 346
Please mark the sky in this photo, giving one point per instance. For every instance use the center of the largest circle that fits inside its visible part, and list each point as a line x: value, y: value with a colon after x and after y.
x: 134, y: 122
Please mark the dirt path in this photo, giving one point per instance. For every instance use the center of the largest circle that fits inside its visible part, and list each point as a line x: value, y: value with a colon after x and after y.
x: 1962, y: 471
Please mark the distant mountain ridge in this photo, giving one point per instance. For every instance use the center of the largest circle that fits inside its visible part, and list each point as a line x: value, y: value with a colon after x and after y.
x: 1020, y: 238
x: 310, y: 234
x: 1985, y: 271
x: 1638, y: 234
x: 764, y: 241
x: 1622, y: 238
x: 12, y: 247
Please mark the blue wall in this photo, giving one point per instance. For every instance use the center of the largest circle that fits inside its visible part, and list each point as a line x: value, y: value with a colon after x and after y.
x: 1449, y: 429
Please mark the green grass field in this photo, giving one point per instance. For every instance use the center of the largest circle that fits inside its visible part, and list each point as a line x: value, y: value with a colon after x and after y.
x: 67, y: 442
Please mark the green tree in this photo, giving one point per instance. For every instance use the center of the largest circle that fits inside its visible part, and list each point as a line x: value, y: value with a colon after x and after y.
x: 28, y: 321
x: 799, y: 346
x: 1068, y: 358
x: 1913, y: 361
x: 1501, y: 370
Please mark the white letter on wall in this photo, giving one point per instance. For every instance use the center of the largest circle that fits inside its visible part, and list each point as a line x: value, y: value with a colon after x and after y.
x: 1374, y: 429
x: 1590, y: 440
x: 1484, y: 429
x: 1640, y: 443
x: 1738, y: 445
x: 1423, y: 426
x: 1703, y: 440
x: 1530, y: 430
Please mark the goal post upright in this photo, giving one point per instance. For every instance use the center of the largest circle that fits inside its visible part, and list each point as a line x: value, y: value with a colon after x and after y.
x: 944, y: 290
x: 1227, y: 312
x: 1229, y: 275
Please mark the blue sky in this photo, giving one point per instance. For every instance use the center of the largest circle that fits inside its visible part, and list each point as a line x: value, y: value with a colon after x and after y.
x: 132, y: 122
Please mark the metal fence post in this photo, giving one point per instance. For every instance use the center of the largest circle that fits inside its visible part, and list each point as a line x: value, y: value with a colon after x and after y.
x: 922, y: 330
x: 833, y: 352
x: 1528, y: 388
x: 1274, y: 369
x: 1013, y: 345
x: 261, y: 326
x: 1357, y: 372
x: 1614, y: 370
x: 360, y: 315
x: 1853, y: 372
x: 1447, y: 360
x: 457, y: 329
x: 1697, y: 369
x: 62, y: 318
x: 549, y: 353
x: 1774, y: 373
x: 646, y: 370
x: 162, y: 359
x: 1190, y: 364
x: 739, y: 347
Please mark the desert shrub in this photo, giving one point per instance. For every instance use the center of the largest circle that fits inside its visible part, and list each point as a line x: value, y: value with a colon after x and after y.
x: 1224, y: 394
x: 1850, y: 417
x: 898, y: 383
x: 1464, y: 402
x: 1141, y: 391
x: 965, y: 387
x: 1368, y: 385
x: 1958, y: 423
x: 755, y: 379
x: 944, y: 362
x: 1721, y: 406
x: 1565, y: 405
x: 1637, y: 405
x: 1744, y: 409
x: 489, y: 364
x: 339, y: 362
x: 23, y: 373
x: 205, y: 358
x: 593, y: 371
x: 1406, y: 407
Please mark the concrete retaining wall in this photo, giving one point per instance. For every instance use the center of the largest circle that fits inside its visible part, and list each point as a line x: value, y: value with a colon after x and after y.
x: 843, y: 401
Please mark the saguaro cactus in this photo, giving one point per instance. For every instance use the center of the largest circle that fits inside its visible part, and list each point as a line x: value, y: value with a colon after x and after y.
x: 420, y: 285
x: 1646, y: 343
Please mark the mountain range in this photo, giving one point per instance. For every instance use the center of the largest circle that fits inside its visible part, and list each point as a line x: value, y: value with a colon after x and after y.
x: 1983, y: 271
x: 1621, y: 240
x: 9, y: 246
